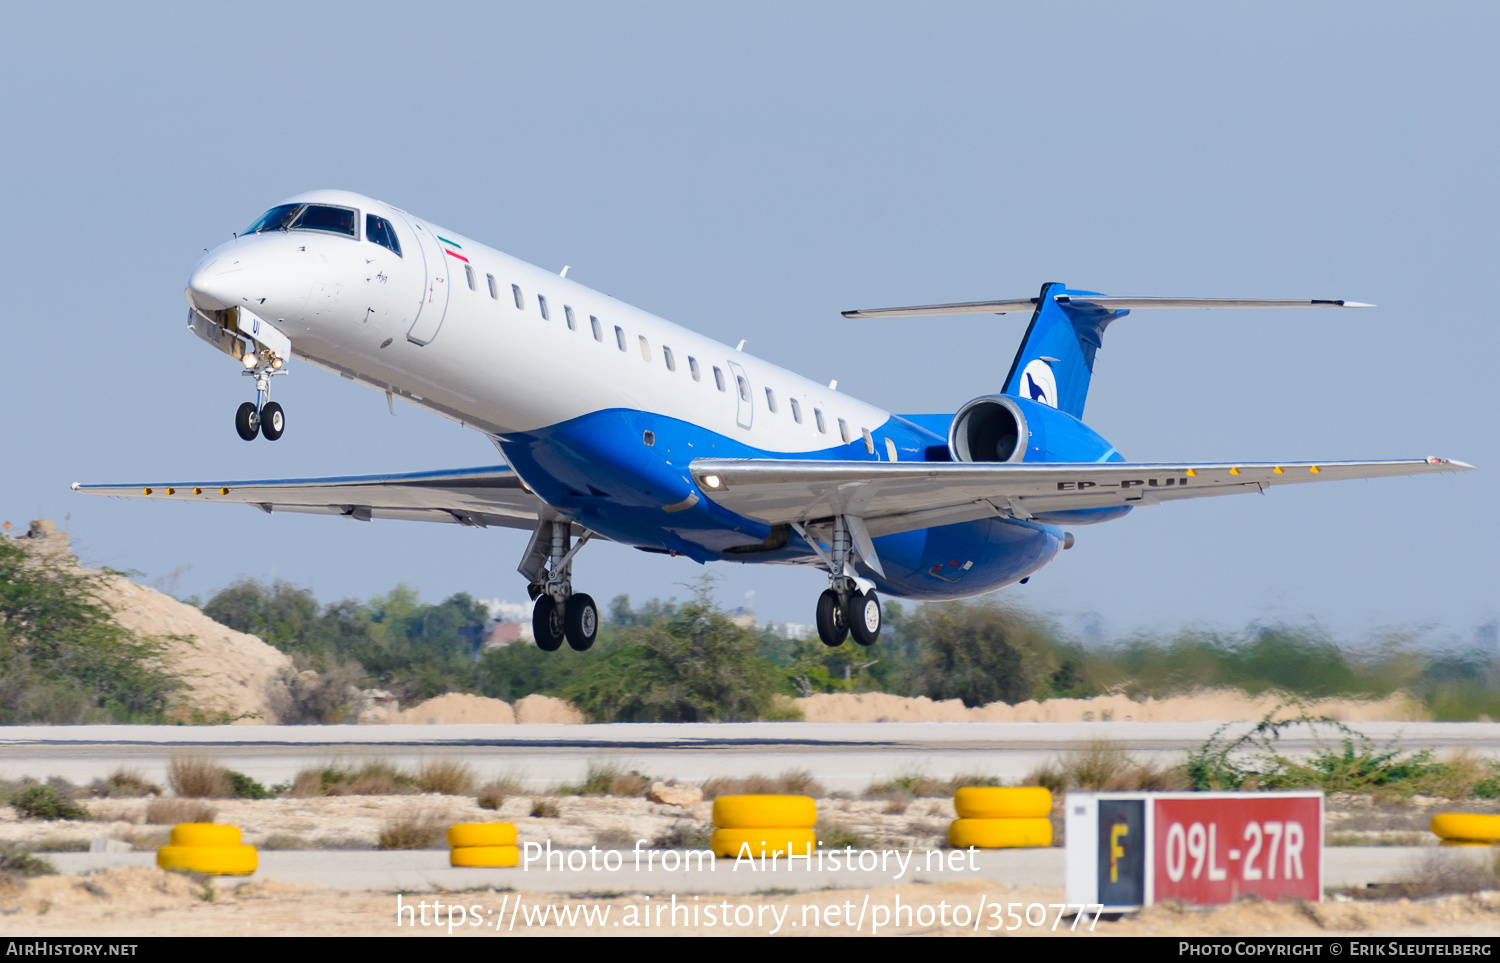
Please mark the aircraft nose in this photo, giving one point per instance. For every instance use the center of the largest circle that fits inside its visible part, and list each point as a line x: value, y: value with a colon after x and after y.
x: 212, y: 285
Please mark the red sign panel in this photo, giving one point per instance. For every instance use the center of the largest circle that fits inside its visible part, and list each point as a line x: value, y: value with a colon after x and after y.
x: 1216, y: 847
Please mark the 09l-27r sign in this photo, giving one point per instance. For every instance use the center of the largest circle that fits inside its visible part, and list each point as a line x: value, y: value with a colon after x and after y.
x: 1127, y: 850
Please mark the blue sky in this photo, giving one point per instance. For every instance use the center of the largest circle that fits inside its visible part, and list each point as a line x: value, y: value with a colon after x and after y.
x: 750, y: 171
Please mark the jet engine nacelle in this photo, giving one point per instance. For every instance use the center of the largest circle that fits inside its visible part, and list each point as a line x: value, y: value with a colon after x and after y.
x: 992, y: 428
x: 1004, y: 428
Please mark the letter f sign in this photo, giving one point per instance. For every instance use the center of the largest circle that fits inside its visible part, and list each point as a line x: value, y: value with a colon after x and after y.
x: 1116, y: 850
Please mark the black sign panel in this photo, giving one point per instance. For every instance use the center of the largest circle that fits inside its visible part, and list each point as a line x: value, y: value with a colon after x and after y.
x: 1122, y: 852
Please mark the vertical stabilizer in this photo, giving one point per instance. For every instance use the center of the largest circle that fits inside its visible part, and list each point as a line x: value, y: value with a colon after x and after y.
x: 1056, y: 359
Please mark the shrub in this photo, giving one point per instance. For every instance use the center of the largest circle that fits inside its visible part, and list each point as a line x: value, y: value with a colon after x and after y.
x: 793, y: 782
x: 832, y: 835
x: 1105, y: 765
x: 242, y: 786
x: 284, y: 841
x: 413, y: 828
x: 543, y: 808
x: 45, y: 802
x: 608, y: 779
x: 374, y: 777
x: 124, y: 784
x: 17, y: 860
x: 447, y: 777
x: 197, y: 777
x: 684, y: 834
x: 170, y: 812
x: 910, y: 785
x: 492, y: 795
x: 1357, y: 764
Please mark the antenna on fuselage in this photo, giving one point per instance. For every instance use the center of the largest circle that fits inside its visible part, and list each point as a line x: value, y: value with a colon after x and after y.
x: 564, y: 272
x: 740, y: 346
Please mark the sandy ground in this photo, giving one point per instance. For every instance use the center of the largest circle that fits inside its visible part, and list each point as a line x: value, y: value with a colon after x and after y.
x: 141, y: 901
x: 149, y: 902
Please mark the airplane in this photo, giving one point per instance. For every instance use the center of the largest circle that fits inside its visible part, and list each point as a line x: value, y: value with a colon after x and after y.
x: 616, y: 424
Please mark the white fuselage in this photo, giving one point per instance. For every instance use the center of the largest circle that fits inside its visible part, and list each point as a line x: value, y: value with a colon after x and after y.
x: 353, y: 306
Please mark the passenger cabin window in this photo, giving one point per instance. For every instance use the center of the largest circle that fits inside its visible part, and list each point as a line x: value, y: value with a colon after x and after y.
x: 568, y: 314
x: 645, y: 349
x: 379, y: 230
x: 515, y: 290
x: 869, y: 441
x: 541, y: 301
x: 469, y: 273
x: 598, y: 331
x: 666, y: 354
x: 693, y: 367
x: 494, y: 286
x: 328, y: 220
x: 771, y: 400
x: 818, y: 417
x: 719, y: 378
x: 744, y: 387
x: 843, y: 431
x: 796, y: 412
x: 620, y: 337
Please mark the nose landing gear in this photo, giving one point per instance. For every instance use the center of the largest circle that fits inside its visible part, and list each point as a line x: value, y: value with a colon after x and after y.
x: 261, y: 417
x: 558, y: 613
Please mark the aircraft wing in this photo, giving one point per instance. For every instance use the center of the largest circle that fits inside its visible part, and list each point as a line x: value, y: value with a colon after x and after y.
x: 475, y: 497
x: 900, y: 496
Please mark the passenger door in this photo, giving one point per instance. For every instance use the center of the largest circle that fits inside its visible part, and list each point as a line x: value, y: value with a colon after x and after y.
x: 434, y: 304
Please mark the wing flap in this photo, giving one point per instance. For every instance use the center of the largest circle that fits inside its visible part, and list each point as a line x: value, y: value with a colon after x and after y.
x: 895, y: 496
x: 477, y: 497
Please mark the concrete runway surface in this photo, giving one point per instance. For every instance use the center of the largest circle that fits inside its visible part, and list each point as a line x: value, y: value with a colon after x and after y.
x: 845, y: 757
x: 427, y: 871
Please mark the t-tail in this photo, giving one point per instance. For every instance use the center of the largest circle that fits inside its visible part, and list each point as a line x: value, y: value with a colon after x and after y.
x: 1056, y: 361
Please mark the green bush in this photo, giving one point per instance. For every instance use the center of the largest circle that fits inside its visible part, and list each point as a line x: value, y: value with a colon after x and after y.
x: 63, y: 658
x: 45, y: 802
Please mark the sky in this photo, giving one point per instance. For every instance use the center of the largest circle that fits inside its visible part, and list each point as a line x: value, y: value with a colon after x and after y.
x: 749, y: 171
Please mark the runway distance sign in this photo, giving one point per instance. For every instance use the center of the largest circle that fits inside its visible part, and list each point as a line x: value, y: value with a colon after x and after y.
x: 1128, y: 850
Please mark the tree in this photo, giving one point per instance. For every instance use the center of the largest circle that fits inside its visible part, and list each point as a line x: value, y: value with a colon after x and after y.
x: 689, y: 663
x: 63, y: 658
x: 982, y: 653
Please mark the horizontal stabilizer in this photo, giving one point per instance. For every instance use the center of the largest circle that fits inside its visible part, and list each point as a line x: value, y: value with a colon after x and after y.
x: 901, y: 496
x: 1092, y: 301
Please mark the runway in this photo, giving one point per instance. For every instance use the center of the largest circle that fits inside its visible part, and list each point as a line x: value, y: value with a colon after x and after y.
x: 845, y: 757
x: 428, y: 871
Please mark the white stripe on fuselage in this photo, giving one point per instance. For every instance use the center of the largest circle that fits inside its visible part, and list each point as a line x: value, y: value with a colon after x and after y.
x: 501, y: 369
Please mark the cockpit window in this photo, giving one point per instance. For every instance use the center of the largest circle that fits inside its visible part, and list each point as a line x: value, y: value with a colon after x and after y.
x: 276, y: 219
x: 379, y: 230
x: 333, y: 220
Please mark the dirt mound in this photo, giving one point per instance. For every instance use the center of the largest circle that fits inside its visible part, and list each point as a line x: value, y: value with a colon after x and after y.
x: 456, y: 708
x: 1215, y: 705
x: 228, y: 674
x: 540, y: 708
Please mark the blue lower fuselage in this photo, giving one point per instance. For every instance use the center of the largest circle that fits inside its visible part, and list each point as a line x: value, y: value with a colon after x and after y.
x: 601, y: 471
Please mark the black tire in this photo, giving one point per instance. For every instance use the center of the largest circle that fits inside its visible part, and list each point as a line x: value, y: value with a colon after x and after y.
x: 547, y: 624
x: 247, y: 421
x: 272, y: 421
x: 833, y: 629
x: 581, y: 622
x: 864, y: 617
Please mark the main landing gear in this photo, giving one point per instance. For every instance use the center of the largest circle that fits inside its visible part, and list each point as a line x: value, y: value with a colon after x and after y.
x: 843, y: 609
x: 261, y: 417
x: 558, y: 614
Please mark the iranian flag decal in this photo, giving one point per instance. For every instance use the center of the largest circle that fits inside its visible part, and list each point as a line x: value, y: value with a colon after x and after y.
x: 452, y: 248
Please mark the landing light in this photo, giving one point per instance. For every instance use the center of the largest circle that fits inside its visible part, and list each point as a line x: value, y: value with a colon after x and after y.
x: 250, y: 361
x: 712, y: 481
x: 276, y: 362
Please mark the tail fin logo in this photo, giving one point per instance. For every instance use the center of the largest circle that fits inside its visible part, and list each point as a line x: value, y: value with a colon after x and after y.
x: 1038, y: 383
